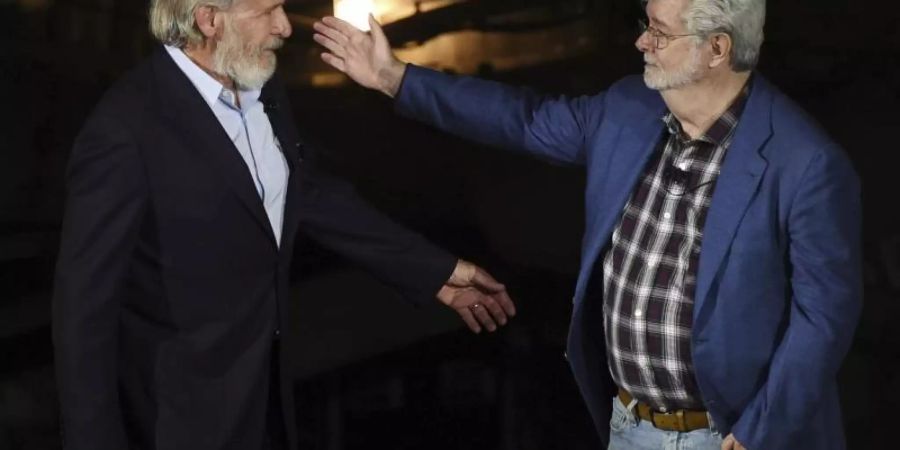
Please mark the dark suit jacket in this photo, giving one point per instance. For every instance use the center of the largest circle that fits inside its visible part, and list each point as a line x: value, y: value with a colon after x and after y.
x: 169, y: 281
x: 779, y: 283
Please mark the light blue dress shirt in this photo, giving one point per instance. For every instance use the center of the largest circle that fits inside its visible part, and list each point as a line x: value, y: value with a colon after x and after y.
x: 251, y: 132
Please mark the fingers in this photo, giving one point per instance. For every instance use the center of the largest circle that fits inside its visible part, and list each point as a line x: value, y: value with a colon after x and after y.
x: 483, y: 279
x: 505, y: 302
x: 469, y: 319
x: 335, y: 48
x: 334, y: 61
x: 484, y: 317
x: 494, y: 308
x: 728, y: 443
x: 472, y: 289
x: 377, y: 31
x: 333, y: 40
x: 331, y: 33
x: 343, y: 27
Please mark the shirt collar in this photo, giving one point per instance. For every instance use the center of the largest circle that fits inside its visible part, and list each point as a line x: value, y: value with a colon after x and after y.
x: 722, y: 127
x: 210, y: 89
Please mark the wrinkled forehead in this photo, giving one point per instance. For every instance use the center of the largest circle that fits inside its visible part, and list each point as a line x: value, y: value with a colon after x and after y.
x: 666, y: 14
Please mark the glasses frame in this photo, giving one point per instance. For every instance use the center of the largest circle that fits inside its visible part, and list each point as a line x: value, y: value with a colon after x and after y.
x: 660, y: 40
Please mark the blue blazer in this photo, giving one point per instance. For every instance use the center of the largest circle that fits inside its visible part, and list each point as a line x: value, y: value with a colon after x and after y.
x: 779, y: 285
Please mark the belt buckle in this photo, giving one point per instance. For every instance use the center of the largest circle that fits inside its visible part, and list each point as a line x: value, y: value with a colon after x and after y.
x: 672, y: 421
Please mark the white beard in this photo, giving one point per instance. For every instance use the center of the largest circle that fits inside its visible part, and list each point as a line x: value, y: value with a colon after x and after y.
x: 689, y: 72
x: 249, y: 66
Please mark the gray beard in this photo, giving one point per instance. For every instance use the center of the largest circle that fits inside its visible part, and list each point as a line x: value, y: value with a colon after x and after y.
x: 659, y: 80
x: 250, y: 68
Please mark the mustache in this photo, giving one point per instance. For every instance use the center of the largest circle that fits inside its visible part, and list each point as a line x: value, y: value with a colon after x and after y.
x: 276, y: 44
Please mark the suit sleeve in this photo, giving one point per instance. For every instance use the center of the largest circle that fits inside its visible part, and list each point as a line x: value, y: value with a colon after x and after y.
x: 336, y: 217
x: 824, y: 232
x: 106, y: 198
x: 552, y: 128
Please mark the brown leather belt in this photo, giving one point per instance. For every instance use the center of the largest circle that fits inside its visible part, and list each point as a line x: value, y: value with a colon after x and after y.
x: 683, y: 420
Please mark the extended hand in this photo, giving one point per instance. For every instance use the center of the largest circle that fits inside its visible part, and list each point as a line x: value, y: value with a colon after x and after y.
x: 365, y: 57
x: 731, y: 443
x: 477, y: 297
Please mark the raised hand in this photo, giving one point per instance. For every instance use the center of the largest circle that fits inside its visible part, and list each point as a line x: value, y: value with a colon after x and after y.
x: 477, y: 297
x: 365, y: 57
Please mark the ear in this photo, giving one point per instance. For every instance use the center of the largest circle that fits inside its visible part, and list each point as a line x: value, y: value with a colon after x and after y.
x: 720, y: 44
x: 205, y: 18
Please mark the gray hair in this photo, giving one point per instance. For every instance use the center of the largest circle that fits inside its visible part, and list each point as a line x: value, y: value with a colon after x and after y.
x: 172, y: 21
x: 742, y: 20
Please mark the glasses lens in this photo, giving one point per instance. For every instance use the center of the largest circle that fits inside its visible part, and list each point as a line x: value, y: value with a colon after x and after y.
x: 662, y: 41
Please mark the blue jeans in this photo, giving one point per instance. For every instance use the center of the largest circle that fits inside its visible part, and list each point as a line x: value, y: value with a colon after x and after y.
x: 627, y: 432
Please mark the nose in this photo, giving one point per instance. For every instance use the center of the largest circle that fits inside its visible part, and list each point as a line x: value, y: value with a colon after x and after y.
x: 643, y: 43
x: 282, y: 24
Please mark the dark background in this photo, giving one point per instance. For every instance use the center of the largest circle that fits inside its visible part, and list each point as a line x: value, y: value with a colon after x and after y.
x: 370, y: 370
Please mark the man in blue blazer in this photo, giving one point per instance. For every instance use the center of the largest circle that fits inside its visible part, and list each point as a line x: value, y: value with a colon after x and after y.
x: 720, y: 279
x: 187, y: 191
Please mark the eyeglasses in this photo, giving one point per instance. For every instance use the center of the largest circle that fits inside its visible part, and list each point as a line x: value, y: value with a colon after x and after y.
x: 660, y: 40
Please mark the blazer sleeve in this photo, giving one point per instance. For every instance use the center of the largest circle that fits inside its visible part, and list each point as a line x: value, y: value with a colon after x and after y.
x: 824, y: 232
x: 551, y: 128
x: 336, y: 217
x: 106, y: 199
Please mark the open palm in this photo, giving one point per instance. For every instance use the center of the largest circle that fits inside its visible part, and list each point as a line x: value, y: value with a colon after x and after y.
x: 365, y: 57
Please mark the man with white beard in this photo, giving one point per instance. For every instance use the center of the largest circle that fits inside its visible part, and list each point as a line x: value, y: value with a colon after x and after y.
x: 720, y: 279
x: 187, y: 190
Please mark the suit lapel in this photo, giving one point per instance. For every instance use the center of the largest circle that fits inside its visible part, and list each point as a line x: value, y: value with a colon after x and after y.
x: 643, y: 142
x: 742, y: 170
x: 190, y: 115
x: 278, y: 111
x: 634, y: 146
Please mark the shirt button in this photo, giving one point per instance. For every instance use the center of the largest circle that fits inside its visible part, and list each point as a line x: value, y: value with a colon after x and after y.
x: 667, y: 215
x: 277, y: 332
x: 638, y: 313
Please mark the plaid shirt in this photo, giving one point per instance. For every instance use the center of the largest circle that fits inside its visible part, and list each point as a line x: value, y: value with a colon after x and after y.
x: 649, y: 271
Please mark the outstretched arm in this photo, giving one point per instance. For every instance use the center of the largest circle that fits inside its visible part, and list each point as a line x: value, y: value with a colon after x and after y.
x: 337, y: 218
x: 554, y: 128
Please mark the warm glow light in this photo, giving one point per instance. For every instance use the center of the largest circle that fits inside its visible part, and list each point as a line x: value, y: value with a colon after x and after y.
x: 356, y: 12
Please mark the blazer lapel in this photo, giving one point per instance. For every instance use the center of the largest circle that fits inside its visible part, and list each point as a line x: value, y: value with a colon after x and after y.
x: 635, y: 145
x: 738, y: 181
x: 277, y: 110
x: 190, y: 115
